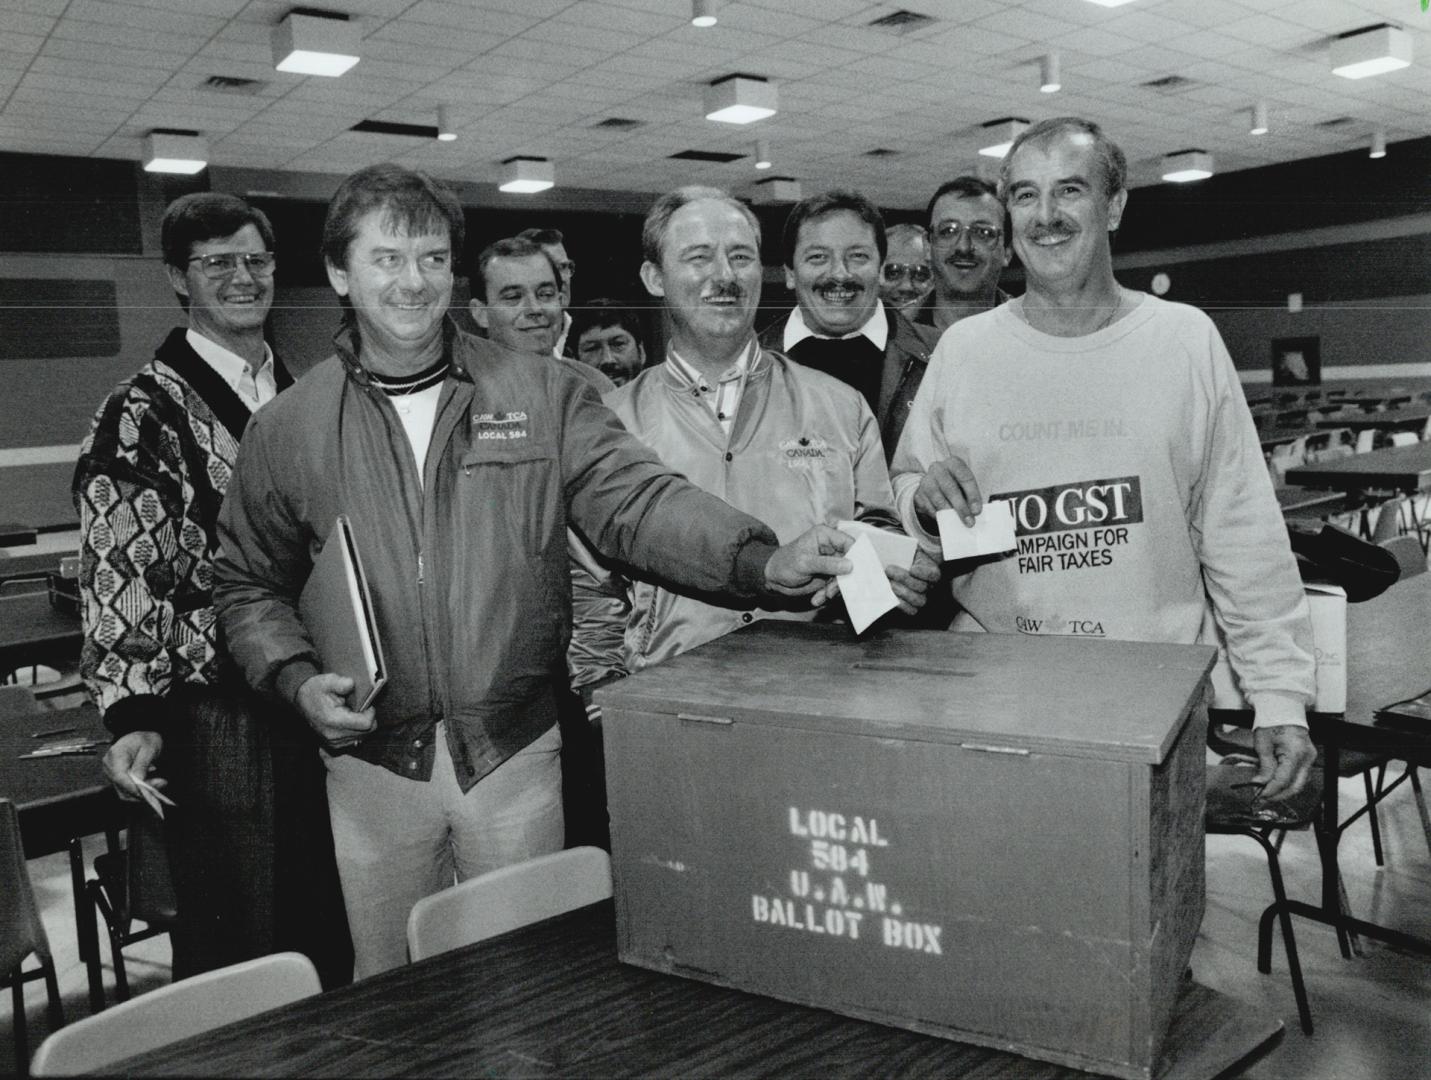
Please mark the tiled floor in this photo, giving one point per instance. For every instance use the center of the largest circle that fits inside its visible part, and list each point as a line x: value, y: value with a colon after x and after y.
x: 1373, y: 1014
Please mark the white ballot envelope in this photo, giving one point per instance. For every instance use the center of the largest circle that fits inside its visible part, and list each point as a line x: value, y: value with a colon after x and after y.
x: 894, y: 549
x: 992, y: 532
x: 865, y: 588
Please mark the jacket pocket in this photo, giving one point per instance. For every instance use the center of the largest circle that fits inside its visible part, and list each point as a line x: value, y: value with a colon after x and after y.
x: 519, y: 483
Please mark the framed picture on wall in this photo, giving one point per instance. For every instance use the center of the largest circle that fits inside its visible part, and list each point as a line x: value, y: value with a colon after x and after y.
x: 1297, y: 361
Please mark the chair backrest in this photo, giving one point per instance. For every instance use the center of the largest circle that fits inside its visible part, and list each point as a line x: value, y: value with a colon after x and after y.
x: 1404, y: 438
x: 21, y: 931
x: 1408, y: 553
x: 177, y: 1011
x: 514, y: 896
x: 1365, y: 440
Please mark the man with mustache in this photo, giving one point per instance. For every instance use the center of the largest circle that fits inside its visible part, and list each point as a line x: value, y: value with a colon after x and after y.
x: 517, y: 300
x: 740, y: 420
x: 458, y: 464
x: 834, y: 245
x: 905, y: 278
x: 1115, y: 424
x: 969, y: 250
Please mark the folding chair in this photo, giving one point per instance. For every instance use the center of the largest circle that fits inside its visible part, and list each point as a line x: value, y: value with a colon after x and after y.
x: 133, y: 884
x: 22, y: 933
x: 505, y: 899
x: 177, y: 1011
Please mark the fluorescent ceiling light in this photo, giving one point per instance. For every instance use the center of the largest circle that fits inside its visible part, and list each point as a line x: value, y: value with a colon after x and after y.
x: 1187, y: 165
x: 703, y: 13
x: 445, y: 130
x: 1110, y: 3
x: 1259, y: 119
x: 1373, y: 51
x: 740, y: 99
x: 183, y: 152
x: 315, y: 44
x: 1378, y: 143
x: 1049, y: 81
x: 1005, y: 131
x: 527, y: 175
x: 762, y: 154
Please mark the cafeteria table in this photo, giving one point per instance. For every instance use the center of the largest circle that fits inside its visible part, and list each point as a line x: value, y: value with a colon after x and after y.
x: 59, y: 799
x: 1405, y: 469
x: 552, y: 999
x: 1407, y: 417
x: 1388, y: 660
x: 33, y: 631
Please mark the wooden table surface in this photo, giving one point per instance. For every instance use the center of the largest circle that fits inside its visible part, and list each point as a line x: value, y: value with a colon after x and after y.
x: 33, y: 632
x: 1408, y: 416
x: 553, y: 1000
x: 1404, y: 468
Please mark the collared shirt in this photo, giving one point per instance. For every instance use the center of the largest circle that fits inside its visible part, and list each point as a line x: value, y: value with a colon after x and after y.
x: 876, y: 328
x: 724, y: 398
x: 560, y: 347
x: 253, y: 388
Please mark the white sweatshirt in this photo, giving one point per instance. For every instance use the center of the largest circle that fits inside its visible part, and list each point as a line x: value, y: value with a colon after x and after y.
x: 1142, y: 505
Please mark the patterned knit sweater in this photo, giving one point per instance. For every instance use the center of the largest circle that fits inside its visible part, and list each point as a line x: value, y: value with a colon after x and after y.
x: 148, y: 485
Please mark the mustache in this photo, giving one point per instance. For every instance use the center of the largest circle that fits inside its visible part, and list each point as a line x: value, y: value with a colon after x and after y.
x: 727, y: 290
x: 1057, y: 229
x: 839, y: 283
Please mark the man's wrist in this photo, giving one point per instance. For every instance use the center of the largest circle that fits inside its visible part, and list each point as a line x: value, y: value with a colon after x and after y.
x: 292, y: 675
x: 1271, y: 708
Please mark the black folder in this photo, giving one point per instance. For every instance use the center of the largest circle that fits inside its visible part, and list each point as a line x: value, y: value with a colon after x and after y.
x: 1413, y: 714
x: 337, y: 610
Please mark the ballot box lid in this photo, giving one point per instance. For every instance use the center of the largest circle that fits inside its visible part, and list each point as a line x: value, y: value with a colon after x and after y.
x: 1079, y: 697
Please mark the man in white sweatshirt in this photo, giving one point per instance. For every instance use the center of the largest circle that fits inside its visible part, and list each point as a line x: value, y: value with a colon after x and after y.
x: 1115, y: 424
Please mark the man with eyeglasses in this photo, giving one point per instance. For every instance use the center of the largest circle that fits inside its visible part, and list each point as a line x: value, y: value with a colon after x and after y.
x: 250, y: 849
x: 1114, y: 424
x: 905, y: 279
x: 969, y: 249
x: 554, y: 244
x: 834, y: 245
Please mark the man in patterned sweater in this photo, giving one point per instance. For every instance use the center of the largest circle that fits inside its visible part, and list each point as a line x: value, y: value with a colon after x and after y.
x: 148, y: 486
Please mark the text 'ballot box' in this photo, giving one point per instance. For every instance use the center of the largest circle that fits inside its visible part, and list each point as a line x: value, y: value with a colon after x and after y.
x: 995, y: 838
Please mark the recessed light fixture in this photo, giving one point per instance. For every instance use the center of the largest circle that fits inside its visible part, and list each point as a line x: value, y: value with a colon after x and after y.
x: 315, y: 43
x: 703, y: 13
x: 527, y: 175
x: 740, y: 99
x: 445, y: 131
x: 1186, y: 165
x: 1378, y: 143
x: 1259, y: 119
x: 1374, y: 50
x: 762, y: 154
x: 1005, y: 131
x: 1049, y: 81
x: 777, y: 189
x: 181, y: 152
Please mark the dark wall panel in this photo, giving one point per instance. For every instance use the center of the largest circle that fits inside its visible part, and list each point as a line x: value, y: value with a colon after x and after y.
x: 65, y: 204
x: 46, y: 318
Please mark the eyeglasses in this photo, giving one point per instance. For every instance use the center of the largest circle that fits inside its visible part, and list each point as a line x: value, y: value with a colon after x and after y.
x: 948, y: 232
x: 918, y: 273
x: 567, y: 267
x: 224, y: 263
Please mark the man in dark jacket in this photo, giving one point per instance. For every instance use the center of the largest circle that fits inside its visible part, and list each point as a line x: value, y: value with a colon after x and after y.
x: 250, y: 849
x: 834, y: 245
x: 459, y: 465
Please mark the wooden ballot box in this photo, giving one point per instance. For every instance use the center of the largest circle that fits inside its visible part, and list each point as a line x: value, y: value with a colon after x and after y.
x: 995, y: 838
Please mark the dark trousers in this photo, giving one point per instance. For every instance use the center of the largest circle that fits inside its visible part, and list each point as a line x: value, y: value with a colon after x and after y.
x: 250, y: 848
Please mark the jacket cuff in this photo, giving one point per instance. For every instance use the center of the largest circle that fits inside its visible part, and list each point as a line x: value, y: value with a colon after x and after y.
x: 1273, y: 708
x: 291, y: 676
x: 750, y: 563
x: 138, y: 712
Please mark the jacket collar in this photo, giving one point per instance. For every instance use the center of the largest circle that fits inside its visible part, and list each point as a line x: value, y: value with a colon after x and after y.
x: 347, y: 343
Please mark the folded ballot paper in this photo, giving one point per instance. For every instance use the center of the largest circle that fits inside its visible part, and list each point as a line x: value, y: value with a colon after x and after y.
x: 991, y: 533
x: 866, y: 589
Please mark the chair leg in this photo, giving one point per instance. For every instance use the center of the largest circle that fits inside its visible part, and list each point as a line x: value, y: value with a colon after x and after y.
x: 1420, y: 804
x: 1352, y: 945
x: 1373, y: 818
x: 22, y: 1037
x: 1289, y: 939
x: 54, y: 1009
